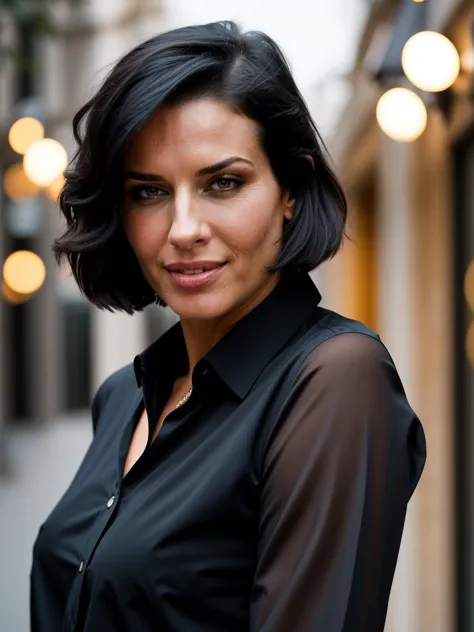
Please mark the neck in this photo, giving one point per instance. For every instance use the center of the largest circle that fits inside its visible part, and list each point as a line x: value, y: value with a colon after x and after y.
x: 201, y: 335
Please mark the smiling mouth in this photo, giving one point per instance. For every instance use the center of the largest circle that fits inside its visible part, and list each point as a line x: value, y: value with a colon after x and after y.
x: 195, y: 278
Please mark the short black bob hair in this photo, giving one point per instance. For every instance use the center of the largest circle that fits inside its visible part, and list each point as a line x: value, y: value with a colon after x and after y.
x: 245, y: 70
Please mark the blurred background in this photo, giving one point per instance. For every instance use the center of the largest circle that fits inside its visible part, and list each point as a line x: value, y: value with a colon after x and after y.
x: 390, y: 84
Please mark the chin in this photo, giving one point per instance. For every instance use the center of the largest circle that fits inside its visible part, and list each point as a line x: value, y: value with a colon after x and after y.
x: 200, y: 308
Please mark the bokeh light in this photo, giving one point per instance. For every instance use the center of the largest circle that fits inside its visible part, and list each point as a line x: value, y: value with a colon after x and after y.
x: 23, y: 133
x: 16, y: 183
x: 430, y: 61
x: 402, y: 115
x: 55, y: 188
x: 24, y: 272
x: 467, y: 60
x: 44, y: 161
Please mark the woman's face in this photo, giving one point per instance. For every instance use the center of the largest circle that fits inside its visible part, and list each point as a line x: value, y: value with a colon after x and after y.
x: 203, y: 211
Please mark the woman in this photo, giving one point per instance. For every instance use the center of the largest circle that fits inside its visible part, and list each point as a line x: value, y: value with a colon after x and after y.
x: 251, y: 469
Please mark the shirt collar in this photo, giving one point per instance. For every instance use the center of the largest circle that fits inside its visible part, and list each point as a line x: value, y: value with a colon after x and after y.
x: 166, y: 356
x: 249, y: 346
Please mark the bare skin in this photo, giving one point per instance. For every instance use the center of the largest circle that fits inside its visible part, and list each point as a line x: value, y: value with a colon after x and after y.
x: 232, y: 216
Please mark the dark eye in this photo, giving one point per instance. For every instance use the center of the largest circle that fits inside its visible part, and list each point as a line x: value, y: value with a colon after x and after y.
x: 226, y: 183
x: 147, y: 192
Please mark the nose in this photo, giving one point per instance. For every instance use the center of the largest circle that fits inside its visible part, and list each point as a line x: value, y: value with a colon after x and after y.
x: 187, y: 227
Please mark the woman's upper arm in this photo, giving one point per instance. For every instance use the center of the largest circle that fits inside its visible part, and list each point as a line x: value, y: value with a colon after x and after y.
x: 338, y: 476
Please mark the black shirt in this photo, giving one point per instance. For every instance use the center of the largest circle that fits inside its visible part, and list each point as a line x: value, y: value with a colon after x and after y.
x: 272, y: 501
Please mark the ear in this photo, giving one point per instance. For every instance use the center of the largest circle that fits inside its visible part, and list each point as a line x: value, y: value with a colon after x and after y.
x: 288, y: 205
x: 288, y: 200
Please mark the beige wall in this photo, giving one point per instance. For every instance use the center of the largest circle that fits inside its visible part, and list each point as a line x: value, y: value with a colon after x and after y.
x: 396, y: 291
x: 434, y: 370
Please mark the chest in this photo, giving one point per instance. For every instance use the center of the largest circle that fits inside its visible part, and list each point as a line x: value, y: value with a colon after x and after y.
x: 183, y: 521
x: 191, y: 495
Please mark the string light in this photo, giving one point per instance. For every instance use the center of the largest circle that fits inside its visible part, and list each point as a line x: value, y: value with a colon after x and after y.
x: 24, y: 272
x: 23, y: 133
x: 44, y: 161
x: 430, y: 61
x: 401, y: 114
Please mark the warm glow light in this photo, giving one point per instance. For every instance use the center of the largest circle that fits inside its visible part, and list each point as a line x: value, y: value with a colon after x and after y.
x: 469, y: 285
x: 418, y: 1
x: 402, y: 115
x: 430, y: 61
x: 467, y: 60
x: 16, y: 184
x: 470, y: 344
x: 24, y: 272
x: 55, y: 188
x: 44, y: 161
x: 24, y: 133
x: 11, y: 297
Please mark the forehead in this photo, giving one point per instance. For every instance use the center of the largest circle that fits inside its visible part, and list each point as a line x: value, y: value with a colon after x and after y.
x: 195, y: 131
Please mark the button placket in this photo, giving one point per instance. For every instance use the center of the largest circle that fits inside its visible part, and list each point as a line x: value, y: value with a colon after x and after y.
x: 97, y: 530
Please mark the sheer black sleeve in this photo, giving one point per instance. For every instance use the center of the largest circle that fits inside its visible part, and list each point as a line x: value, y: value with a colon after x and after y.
x: 337, y: 480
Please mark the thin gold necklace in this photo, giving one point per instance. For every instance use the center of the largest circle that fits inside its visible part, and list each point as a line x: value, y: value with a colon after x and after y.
x: 185, y: 398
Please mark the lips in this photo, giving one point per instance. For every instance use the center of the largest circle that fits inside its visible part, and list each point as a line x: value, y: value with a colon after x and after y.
x: 193, y: 275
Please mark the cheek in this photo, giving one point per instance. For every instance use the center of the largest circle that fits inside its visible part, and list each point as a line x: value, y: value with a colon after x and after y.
x: 143, y: 234
x: 255, y: 229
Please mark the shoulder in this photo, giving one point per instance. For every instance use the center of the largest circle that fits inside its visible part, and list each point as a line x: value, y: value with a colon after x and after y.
x: 336, y: 343
x: 346, y: 364
x: 348, y: 379
x: 348, y: 354
x: 120, y: 385
x: 120, y: 380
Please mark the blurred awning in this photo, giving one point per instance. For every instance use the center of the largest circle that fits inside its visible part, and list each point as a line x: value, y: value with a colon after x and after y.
x: 383, y: 58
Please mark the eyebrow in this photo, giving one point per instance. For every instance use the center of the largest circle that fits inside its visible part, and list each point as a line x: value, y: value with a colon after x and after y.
x: 218, y: 166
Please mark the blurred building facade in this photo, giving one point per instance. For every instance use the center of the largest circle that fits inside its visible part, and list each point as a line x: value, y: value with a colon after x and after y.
x: 412, y: 208
x: 55, y: 348
x: 407, y: 274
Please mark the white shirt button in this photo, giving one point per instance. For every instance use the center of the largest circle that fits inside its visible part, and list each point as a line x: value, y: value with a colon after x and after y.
x: 110, y: 502
x: 81, y: 566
